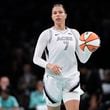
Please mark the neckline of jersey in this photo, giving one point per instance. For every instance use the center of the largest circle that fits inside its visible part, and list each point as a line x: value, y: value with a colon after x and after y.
x: 61, y: 31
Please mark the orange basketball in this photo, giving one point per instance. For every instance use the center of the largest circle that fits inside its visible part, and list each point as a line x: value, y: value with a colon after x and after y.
x: 90, y: 41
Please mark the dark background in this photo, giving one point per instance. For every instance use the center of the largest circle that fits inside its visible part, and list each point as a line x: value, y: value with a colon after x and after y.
x: 21, y: 22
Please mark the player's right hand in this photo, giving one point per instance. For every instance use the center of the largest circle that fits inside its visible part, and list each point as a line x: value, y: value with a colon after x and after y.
x: 56, y: 69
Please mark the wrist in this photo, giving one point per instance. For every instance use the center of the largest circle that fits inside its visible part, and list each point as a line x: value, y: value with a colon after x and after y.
x: 48, y: 65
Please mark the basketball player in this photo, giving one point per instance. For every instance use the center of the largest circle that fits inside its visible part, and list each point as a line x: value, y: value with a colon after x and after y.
x: 61, y: 78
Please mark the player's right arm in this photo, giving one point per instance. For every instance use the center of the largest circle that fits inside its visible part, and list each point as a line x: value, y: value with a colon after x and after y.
x: 39, y: 49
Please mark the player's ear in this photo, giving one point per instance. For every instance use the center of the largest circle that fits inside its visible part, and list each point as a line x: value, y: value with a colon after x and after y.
x: 65, y: 15
x: 51, y: 17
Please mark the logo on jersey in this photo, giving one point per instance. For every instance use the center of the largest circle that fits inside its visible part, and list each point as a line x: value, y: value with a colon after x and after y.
x: 56, y: 34
x: 65, y: 40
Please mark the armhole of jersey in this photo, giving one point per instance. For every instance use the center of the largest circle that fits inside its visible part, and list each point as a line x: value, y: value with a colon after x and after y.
x: 46, y: 50
x: 50, y: 35
x: 74, y: 37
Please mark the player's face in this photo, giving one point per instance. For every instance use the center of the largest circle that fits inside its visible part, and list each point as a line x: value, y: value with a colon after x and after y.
x: 58, y: 15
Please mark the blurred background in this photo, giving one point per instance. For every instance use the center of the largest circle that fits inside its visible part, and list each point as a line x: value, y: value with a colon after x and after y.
x: 22, y: 21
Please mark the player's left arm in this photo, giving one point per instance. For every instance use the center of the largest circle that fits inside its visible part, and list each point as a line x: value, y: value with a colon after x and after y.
x: 82, y: 55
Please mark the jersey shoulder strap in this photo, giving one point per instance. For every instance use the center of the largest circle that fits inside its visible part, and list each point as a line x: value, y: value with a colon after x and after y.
x: 74, y: 35
x: 50, y: 35
x: 49, y: 41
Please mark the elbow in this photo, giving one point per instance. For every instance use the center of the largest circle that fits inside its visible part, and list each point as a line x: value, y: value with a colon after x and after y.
x: 34, y: 60
x: 84, y: 58
x: 83, y: 62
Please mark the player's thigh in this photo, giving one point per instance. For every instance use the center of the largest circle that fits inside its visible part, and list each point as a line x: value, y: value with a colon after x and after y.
x: 52, y: 91
x: 71, y: 96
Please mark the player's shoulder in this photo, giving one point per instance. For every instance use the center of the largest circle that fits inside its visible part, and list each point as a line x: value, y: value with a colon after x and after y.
x: 74, y: 30
x: 45, y: 34
x: 46, y: 31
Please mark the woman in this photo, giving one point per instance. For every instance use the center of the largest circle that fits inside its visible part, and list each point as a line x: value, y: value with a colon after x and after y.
x: 37, y: 100
x: 61, y: 77
x: 8, y: 101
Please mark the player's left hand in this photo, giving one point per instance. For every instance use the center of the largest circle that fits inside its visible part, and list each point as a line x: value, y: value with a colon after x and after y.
x: 94, y: 49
